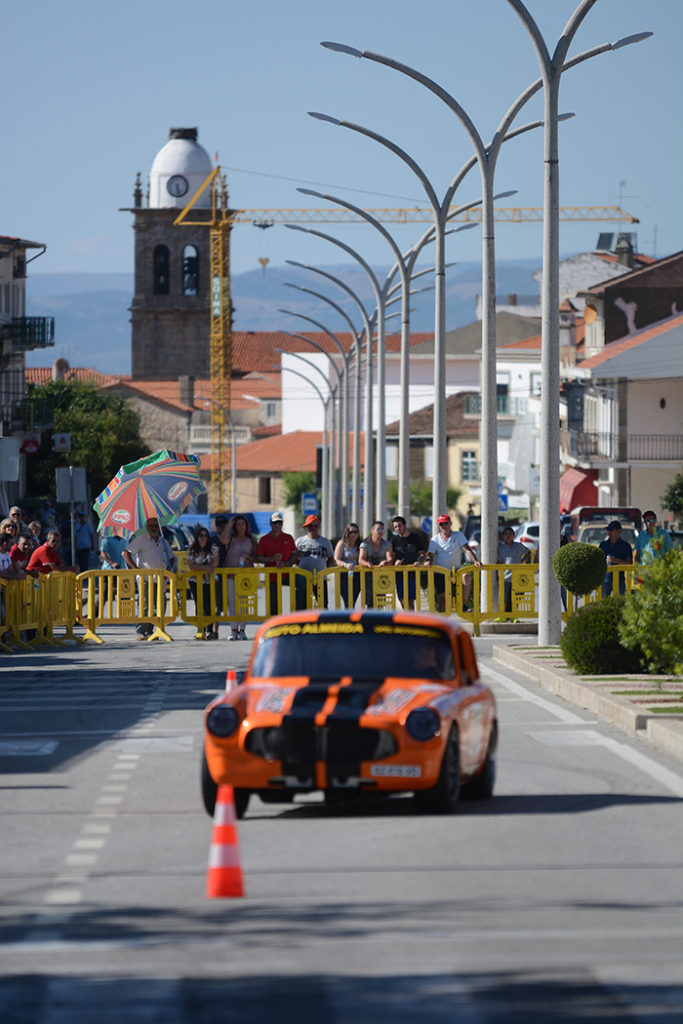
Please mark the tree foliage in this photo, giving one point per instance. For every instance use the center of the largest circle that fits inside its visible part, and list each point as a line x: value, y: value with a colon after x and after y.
x: 653, y: 616
x: 672, y: 499
x: 421, y: 497
x: 105, y: 434
x: 297, y: 484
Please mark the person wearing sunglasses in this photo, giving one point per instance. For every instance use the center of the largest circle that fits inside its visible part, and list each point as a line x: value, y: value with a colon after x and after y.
x: 653, y: 542
x: 202, y: 557
x: 346, y: 554
x: 375, y: 551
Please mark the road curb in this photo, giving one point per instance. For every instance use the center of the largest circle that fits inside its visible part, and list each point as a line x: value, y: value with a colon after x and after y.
x: 548, y: 668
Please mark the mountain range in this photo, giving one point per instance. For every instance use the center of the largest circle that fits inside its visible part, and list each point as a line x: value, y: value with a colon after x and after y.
x: 92, y: 320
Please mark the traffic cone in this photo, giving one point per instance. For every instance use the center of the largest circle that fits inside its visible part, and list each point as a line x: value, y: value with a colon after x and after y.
x: 224, y: 877
x: 230, y: 680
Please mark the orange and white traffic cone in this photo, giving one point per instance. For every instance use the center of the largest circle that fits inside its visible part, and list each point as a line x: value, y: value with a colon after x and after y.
x: 224, y: 877
x: 230, y: 680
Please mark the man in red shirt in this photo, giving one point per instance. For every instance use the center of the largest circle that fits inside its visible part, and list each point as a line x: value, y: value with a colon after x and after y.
x: 20, y: 553
x: 46, y: 558
x: 279, y: 549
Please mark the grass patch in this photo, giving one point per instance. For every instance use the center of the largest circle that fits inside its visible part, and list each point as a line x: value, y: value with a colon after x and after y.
x: 649, y: 693
x: 676, y: 710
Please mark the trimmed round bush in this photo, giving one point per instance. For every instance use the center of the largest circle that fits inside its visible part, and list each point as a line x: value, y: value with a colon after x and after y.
x: 590, y: 641
x: 580, y: 567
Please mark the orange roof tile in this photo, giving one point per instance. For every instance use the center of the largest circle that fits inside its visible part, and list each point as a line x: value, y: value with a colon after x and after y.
x: 647, y: 334
x: 83, y: 374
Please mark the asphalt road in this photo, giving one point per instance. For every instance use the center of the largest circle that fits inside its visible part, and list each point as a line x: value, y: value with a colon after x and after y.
x: 559, y: 900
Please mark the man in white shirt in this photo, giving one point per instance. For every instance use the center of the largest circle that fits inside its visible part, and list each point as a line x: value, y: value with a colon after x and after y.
x: 510, y: 552
x: 447, y: 549
x: 147, y: 551
x: 315, y: 554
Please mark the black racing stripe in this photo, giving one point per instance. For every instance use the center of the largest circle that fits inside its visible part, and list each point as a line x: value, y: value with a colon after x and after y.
x: 298, y: 737
x: 345, y: 744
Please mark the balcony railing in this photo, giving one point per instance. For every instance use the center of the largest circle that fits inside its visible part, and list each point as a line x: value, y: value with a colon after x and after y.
x: 200, y: 438
x: 506, y: 405
x: 601, y: 447
x: 33, y: 331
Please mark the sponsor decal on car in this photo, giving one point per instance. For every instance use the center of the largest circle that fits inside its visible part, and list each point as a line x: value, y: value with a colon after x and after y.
x: 391, y: 703
x: 295, y: 629
x: 398, y: 771
x: 274, y: 700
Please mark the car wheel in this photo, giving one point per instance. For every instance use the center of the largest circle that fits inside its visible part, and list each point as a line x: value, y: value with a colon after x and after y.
x: 481, y: 786
x: 241, y: 801
x: 209, y: 788
x: 443, y: 797
x: 210, y: 793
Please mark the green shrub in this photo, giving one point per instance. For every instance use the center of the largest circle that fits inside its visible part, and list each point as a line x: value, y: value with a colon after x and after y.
x: 590, y: 641
x: 580, y: 567
x: 653, y: 617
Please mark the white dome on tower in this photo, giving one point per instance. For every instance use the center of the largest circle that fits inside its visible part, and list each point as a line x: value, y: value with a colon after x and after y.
x: 178, y: 172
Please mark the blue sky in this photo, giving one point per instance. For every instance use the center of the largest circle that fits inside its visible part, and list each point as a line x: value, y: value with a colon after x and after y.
x: 95, y: 87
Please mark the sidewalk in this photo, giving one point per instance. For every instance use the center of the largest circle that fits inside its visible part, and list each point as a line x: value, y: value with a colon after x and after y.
x: 636, y: 704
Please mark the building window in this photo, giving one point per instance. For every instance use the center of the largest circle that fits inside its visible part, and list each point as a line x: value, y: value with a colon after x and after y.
x: 535, y: 386
x: 391, y: 461
x: 161, y: 270
x: 271, y: 411
x: 469, y: 468
x: 190, y: 270
x: 429, y: 462
x: 264, y: 490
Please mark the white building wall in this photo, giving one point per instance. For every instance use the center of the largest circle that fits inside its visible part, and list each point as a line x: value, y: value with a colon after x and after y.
x: 647, y: 415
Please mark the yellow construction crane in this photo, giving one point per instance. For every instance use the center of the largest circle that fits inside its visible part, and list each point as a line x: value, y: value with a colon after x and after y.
x: 219, y: 220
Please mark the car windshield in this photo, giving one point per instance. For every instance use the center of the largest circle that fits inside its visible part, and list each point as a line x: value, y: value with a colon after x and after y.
x: 596, y: 534
x: 330, y: 650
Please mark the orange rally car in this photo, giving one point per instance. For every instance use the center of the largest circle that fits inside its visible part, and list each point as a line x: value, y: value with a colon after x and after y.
x: 350, y: 703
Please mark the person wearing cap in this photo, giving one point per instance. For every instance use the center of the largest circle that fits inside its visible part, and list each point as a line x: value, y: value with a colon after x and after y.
x: 447, y: 548
x: 315, y: 554
x: 618, y: 552
x: 653, y: 542
x: 276, y: 548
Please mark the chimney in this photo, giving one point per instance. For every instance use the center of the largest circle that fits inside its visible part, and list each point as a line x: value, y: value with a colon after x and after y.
x: 60, y: 368
x: 624, y: 252
x: 186, y: 391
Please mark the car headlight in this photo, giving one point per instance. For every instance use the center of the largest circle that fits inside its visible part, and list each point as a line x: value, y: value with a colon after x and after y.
x: 423, y: 724
x: 222, y: 720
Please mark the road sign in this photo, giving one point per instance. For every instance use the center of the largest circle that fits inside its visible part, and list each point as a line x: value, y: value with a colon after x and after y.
x: 426, y: 525
x: 502, y: 502
x: 61, y: 442
x: 309, y: 505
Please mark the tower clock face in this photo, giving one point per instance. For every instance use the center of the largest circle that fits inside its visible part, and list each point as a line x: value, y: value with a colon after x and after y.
x: 177, y: 185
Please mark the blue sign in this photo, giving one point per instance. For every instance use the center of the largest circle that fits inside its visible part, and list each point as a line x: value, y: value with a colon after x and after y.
x: 309, y: 505
x: 501, y: 487
x: 426, y: 524
x: 502, y: 502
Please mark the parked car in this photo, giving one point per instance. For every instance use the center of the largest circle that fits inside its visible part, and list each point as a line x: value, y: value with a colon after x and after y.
x: 527, y: 534
x: 595, y: 533
x: 354, y: 704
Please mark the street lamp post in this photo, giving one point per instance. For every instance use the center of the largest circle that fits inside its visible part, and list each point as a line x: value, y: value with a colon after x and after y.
x: 233, y: 445
x: 328, y: 430
x: 369, y: 455
x: 550, y: 611
x: 357, y: 336
x: 342, y: 439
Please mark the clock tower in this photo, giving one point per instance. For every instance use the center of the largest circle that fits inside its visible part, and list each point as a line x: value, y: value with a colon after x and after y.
x: 170, y: 308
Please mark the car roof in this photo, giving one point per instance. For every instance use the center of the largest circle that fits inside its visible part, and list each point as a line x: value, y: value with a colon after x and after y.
x: 366, y: 616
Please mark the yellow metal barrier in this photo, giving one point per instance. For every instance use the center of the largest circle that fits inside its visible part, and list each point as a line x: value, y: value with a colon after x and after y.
x: 386, y: 586
x: 246, y: 594
x: 116, y: 596
x: 61, y: 595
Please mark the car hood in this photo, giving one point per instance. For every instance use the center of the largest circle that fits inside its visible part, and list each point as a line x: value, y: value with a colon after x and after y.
x: 306, y: 697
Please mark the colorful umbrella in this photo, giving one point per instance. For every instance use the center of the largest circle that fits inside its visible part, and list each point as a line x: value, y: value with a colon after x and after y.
x: 161, y: 485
